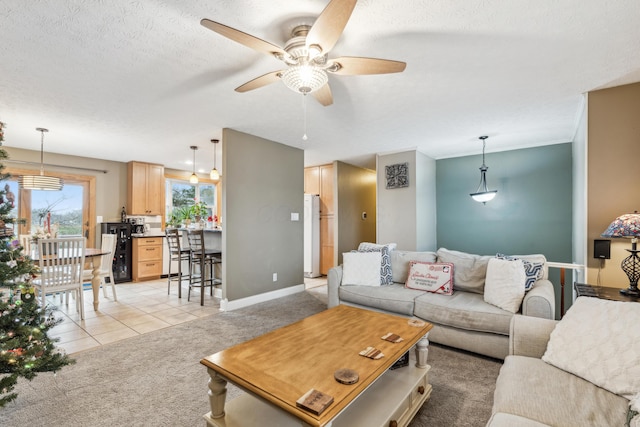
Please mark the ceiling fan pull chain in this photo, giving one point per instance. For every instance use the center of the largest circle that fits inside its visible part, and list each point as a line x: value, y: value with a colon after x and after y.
x: 304, y: 109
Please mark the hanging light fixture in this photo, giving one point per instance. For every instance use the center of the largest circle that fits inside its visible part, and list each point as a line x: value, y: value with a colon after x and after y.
x: 482, y: 194
x: 194, y: 177
x: 214, y: 174
x: 40, y: 182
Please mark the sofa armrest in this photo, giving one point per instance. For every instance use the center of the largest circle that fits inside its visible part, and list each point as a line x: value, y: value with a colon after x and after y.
x: 334, y: 279
x: 528, y: 336
x: 540, y: 301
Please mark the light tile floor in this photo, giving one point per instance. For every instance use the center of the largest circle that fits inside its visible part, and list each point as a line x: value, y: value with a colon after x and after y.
x: 142, y: 307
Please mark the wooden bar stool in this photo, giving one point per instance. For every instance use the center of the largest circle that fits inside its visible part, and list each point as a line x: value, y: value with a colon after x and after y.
x: 202, y: 259
x: 179, y: 254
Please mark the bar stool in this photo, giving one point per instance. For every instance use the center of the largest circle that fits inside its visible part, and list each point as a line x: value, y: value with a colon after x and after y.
x: 179, y: 254
x: 202, y: 259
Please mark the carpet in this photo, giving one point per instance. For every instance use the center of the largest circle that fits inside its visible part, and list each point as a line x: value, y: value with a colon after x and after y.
x: 156, y: 378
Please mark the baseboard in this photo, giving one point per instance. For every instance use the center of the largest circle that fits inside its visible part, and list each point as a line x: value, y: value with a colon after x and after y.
x: 226, y: 305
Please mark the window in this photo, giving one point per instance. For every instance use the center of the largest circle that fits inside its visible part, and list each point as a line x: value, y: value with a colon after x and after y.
x: 68, y: 208
x: 181, y: 195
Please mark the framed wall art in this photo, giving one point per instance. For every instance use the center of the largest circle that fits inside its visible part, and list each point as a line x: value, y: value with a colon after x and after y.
x: 397, y: 175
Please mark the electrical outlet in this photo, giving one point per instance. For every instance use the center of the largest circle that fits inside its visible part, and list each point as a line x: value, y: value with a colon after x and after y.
x: 275, y: 277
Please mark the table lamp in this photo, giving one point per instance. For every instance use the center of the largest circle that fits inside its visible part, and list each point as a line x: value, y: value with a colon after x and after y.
x: 628, y: 225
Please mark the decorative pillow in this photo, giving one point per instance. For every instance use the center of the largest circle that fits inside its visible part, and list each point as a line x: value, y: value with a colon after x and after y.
x: 400, y: 263
x: 532, y: 270
x: 361, y: 268
x: 469, y: 272
x: 599, y: 340
x: 503, y: 286
x: 431, y: 276
x: 386, y: 276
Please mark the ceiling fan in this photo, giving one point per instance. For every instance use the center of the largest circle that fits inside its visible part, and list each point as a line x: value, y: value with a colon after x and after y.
x: 306, y: 54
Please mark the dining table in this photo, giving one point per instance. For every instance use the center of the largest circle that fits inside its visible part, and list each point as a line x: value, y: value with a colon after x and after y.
x: 94, y: 256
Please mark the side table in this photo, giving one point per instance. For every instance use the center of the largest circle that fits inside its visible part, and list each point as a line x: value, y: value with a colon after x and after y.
x: 613, y: 294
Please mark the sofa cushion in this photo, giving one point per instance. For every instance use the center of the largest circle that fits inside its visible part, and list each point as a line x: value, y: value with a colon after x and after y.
x: 395, y: 297
x: 400, y: 262
x: 502, y: 419
x: 504, y: 284
x: 469, y: 270
x: 530, y: 388
x: 464, y: 310
x: 599, y: 340
x: 361, y: 268
x: 386, y: 277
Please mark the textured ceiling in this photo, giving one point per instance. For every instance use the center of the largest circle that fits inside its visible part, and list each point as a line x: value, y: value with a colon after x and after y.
x: 143, y: 80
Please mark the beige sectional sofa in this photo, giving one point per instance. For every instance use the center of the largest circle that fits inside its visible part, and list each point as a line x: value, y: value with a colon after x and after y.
x: 464, y: 319
x: 532, y: 393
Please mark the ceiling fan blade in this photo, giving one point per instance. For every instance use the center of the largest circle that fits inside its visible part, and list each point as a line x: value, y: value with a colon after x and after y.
x: 323, y: 95
x: 353, y: 65
x: 258, y: 82
x: 327, y: 29
x: 244, y: 38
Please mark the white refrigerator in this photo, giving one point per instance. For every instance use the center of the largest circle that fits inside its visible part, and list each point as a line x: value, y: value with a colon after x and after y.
x: 311, y: 235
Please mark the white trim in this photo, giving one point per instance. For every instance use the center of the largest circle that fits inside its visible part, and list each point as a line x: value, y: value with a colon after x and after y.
x: 226, y: 305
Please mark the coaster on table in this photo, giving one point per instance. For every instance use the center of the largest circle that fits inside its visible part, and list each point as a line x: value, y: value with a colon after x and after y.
x: 314, y: 401
x: 346, y: 376
x: 416, y: 322
x: 371, y: 353
x: 392, y: 337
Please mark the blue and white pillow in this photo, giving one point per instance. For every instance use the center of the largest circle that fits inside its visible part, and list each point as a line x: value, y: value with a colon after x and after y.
x: 386, y: 276
x: 532, y: 270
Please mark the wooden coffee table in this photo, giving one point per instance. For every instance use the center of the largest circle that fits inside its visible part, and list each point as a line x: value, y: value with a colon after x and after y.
x: 278, y: 368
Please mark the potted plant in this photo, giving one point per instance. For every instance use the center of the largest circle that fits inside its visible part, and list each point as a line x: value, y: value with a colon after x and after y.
x: 199, y: 211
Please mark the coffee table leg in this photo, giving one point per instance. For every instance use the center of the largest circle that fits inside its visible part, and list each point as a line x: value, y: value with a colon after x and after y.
x: 422, y: 351
x: 217, y: 393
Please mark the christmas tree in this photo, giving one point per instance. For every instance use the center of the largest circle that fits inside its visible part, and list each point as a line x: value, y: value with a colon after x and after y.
x: 25, y: 347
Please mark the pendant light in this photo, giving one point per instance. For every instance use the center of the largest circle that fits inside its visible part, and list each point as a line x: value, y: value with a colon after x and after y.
x: 194, y: 177
x: 214, y: 174
x: 482, y: 194
x: 40, y: 182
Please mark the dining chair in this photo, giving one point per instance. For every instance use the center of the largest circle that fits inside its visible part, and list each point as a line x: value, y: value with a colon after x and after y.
x: 61, y: 262
x: 106, y: 265
x: 177, y: 254
x: 202, y: 260
x: 25, y: 242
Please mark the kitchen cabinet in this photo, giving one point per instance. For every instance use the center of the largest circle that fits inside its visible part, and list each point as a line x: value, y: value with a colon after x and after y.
x: 320, y: 180
x: 147, y: 258
x: 145, y: 192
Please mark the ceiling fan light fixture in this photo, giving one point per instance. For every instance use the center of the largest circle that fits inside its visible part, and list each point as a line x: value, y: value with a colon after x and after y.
x: 304, y: 78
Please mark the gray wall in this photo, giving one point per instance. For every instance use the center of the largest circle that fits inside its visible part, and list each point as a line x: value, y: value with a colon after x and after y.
x: 407, y: 216
x: 262, y: 185
x: 111, y: 188
x: 356, y: 193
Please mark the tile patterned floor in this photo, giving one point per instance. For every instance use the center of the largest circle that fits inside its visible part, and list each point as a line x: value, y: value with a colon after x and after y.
x: 142, y: 307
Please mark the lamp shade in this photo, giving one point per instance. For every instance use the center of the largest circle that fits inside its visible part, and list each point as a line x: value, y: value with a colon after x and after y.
x: 40, y: 182
x: 627, y: 225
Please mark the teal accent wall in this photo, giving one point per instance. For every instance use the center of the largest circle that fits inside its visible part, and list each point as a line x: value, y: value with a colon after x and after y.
x: 532, y: 212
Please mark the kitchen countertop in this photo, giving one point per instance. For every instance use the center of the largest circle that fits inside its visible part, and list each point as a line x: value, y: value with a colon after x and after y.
x: 161, y: 234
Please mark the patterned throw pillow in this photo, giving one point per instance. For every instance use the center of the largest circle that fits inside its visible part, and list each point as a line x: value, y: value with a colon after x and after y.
x: 532, y: 270
x: 386, y: 276
x: 436, y: 277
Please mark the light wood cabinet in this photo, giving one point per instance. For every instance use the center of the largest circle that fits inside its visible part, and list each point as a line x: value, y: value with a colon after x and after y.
x: 312, y: 180
x: 147, y: 258
x: 319, y: 180
x: 145, y: 195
